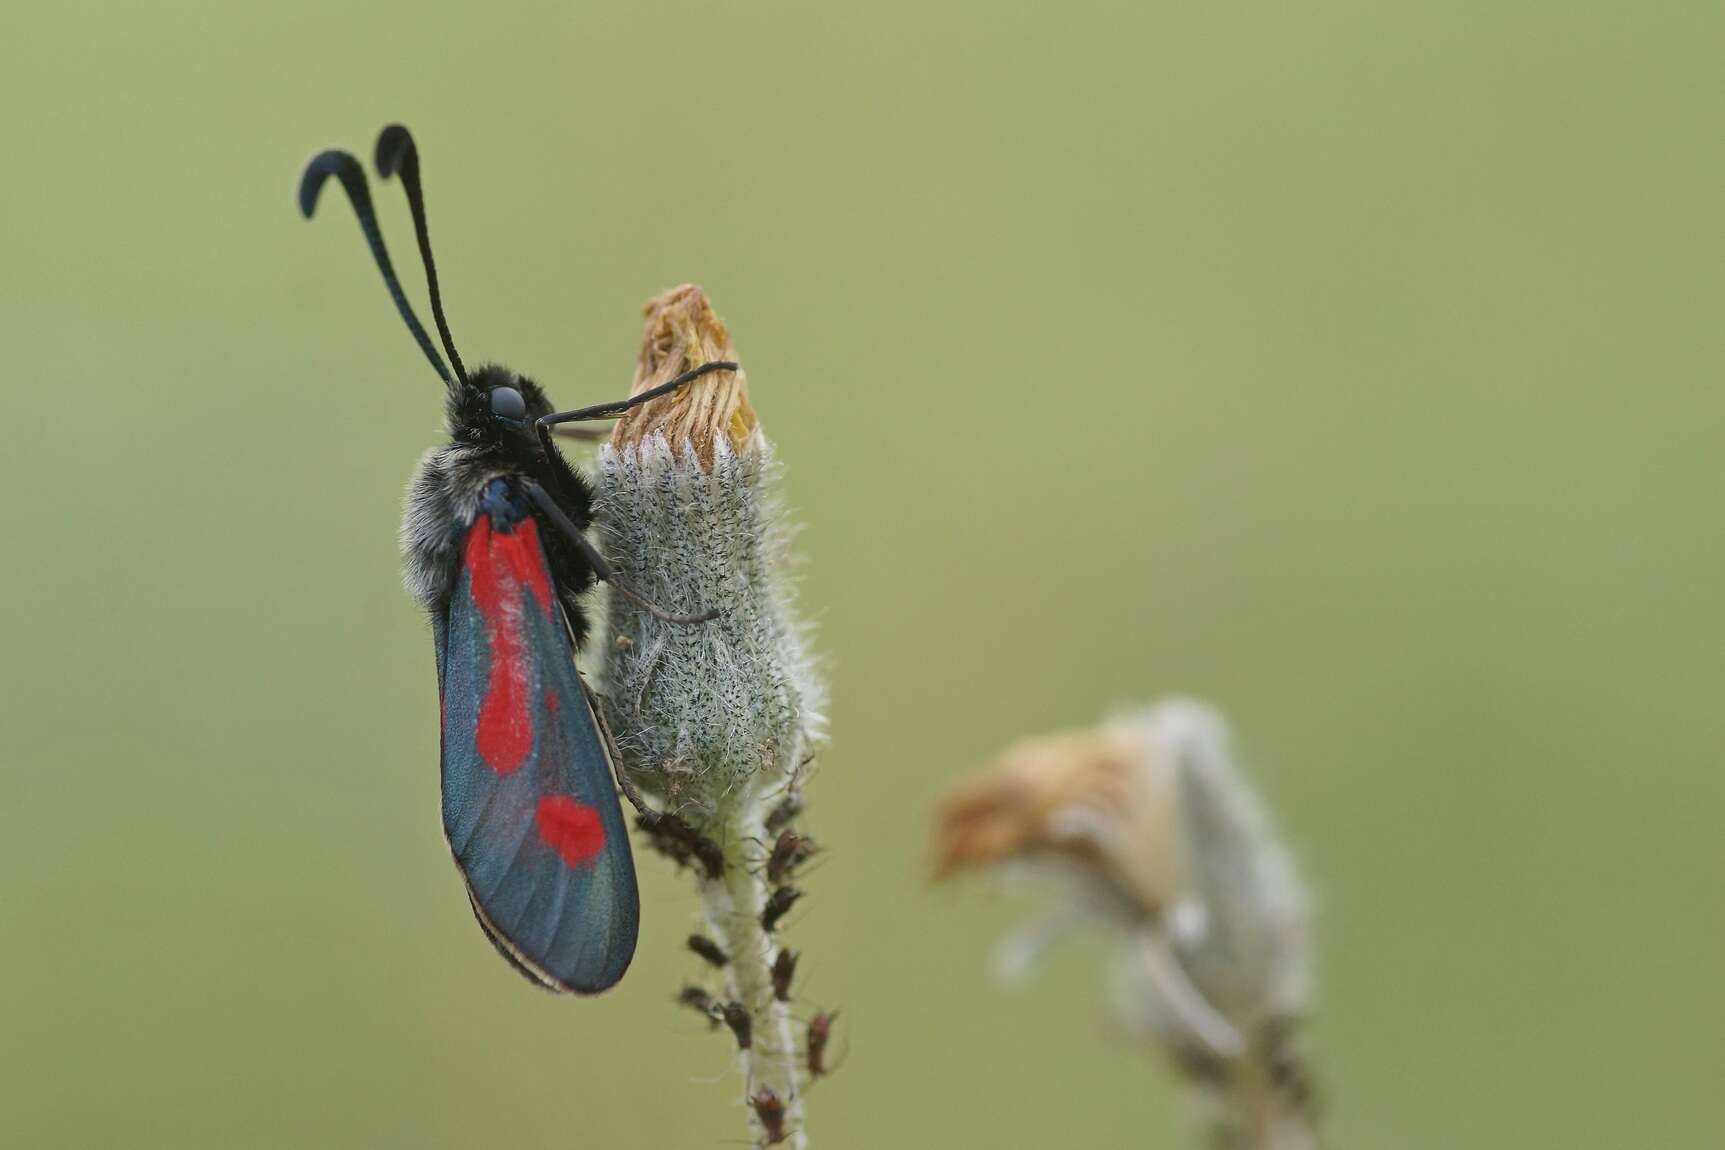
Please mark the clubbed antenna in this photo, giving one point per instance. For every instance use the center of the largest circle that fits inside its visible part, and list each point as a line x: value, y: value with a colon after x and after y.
x: 341, y: 165
x: 396, y: 153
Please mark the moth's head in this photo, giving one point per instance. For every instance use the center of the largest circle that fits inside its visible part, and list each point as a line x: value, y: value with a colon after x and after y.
x: 496, y: 405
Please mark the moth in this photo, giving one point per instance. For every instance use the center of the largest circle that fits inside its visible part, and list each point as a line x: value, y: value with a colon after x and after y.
x: 494, y: 548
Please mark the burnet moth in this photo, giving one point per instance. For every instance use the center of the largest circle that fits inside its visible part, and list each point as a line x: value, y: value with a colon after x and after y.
x: 494, y: 548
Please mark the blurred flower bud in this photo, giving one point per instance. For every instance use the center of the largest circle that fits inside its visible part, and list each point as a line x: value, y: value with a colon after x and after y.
x: 1149, y: 829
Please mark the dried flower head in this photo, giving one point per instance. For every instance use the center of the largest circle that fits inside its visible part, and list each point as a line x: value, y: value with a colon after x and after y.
x: 1092, y: 796
x: 1152, y: 832
x: 683, y: 333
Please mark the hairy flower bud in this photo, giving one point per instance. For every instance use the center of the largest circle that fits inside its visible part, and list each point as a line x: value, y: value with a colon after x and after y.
x: 692, y: 523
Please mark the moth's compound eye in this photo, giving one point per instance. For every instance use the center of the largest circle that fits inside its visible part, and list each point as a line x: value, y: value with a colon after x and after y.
x: 507, y: 403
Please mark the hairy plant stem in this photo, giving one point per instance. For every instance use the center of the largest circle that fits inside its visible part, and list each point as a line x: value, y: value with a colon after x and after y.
x: 1261, y: 1100
x: 733, y: 904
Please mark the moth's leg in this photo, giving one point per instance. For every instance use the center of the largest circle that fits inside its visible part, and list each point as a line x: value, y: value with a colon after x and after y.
x: 601, y: 566
x: 629, y: 789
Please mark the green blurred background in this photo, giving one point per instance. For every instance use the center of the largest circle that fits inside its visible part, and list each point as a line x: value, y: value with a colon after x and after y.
x: 1353, y: 366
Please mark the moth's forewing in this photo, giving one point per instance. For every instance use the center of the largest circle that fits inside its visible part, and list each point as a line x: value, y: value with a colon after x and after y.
x: 529, y: 805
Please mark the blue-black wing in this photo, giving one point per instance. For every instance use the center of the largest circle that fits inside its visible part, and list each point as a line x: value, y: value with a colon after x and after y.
x: 529, y: 805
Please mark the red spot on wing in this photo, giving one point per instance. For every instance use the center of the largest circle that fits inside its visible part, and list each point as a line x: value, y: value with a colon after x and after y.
x: 529, y: 562
x: 570, y: 828
x: 499, y: 565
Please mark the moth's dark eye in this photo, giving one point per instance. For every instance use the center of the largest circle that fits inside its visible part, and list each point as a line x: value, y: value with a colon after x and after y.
x: 507, y: 403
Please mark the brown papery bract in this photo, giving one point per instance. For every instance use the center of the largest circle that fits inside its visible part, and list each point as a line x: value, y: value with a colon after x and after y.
x: 1046, y: 795
x: 682, y: 333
